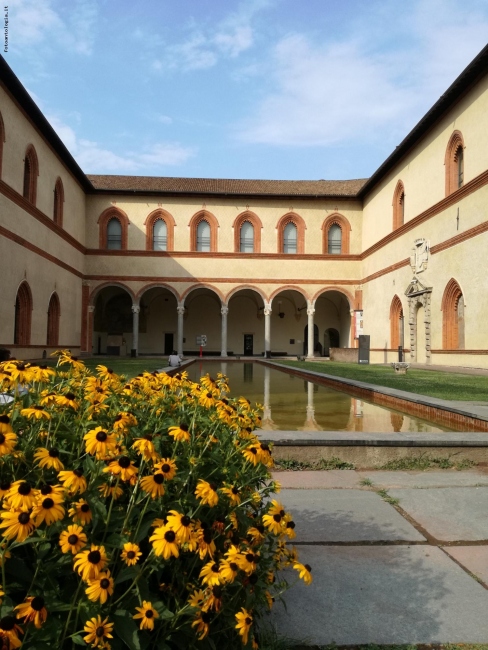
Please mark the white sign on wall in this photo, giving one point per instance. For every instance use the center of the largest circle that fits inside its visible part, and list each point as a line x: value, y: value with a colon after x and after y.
x: 358, y: 324
x: 202, y: 340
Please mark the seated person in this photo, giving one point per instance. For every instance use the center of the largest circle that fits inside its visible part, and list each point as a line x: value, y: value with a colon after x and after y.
x: 174, y: 359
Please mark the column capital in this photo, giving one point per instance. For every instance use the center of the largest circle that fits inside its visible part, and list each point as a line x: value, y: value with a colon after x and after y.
x: 135, y: 309
x: 180, y: 310
x: 310, y: 311
x: 224, y: 310
x: 267, y: 311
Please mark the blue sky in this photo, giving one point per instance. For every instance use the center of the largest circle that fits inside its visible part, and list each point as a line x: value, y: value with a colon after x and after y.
x: 254, y: 89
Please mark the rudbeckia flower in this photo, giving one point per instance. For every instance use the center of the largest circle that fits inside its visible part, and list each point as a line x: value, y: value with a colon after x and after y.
x: 131, y: 554
x: 89, y: 564
x: 21, y: 495
x: 17, y: 524
x: 153, y: 485
x: 74, y: 481
x: 47, y: 510
x: 180, y: 433
x: 248, y: 561
x: 167, y: 467
x: 10, y: 629
x: 81, y: 511
x: 290, y: 529
x: 233, y: 493
x: 205, y: 543
x: 228, y: 570
x: 48, y: 458
x: 48, y: 398
x: 164, y: 542
x: 207, y: 399
x: 181, y: 524
x: 98, y: 632
x: 147, y: 614
x: 8, y: 440
x: 304, y: 572
x: 207, y: 493
x: 72, y: 540
x: 210, y: 574
x: 98, y: 442
x: 122, y: 467
x: 36, y: 412
x: 4, y: 488
x: 107, y: 374
x: 114, y: 491
x: 251, y: 454
x: 124, y: 420
x: 243, y: 625
x: 19, y: 371
x: 100, y: 588
x: 145, y: 447
x: 5, y: 426
x: 68, y: 399
x: 32, y: 610
x: 274, y: 523
x: 202, y: 622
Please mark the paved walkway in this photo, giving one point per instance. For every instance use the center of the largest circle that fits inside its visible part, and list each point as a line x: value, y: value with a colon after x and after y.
x: 412, y: 573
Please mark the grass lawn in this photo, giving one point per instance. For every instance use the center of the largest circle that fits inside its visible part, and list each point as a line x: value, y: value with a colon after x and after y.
x: 443, y: 385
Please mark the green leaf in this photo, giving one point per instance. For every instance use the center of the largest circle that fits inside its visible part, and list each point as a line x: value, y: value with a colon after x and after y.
x: 78, y: 640
x: 128, y: 573
x: 127, y: 630
x: 145, y: 527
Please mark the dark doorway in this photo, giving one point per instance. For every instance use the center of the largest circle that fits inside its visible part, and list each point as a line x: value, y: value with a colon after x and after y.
x: 331, y: 340
x: 248, y: 345
x: 168, y: 342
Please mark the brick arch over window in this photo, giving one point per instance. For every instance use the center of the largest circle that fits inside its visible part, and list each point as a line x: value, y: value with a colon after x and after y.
x: 58, y: 202
x: 398, y: 205
x: 454, y: 162
x: 291, y: 217
x: 2, y: 140
x: 23, y: 315
x: 197, y: 218
x: 104, y: 218
x: 396, y: 322
x: 340, y: 220
x: 452, y: 307
x: 31, y: 172
x: 256, y: 222
x: 53, y: 317
x: 151, y: 219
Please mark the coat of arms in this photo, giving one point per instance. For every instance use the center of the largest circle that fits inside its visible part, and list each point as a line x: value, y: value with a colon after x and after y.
x: 419, y: 256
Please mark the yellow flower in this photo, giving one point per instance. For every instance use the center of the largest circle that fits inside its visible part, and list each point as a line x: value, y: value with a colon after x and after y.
x: 244, y: 623
x: 147, y: 614
x: 228, y: 570
x: 21, y: 495
x: 47, y: 510
x: 180, y: 433
x: 207, y: 493
x: 17, y: 524
x: 304, y: 572
x: 36, y: 412
x: 251, y: 454
x: 181, y: 525
x: 81, y: 511
x: 131, y: 554
x: 248, y: 561
x: 10, y: 630
x: 274, y: 523
x: 48, y: 458
x: 123, y: 467
x: 202, y: 622
x: 89, y: 564
x: 164, y: 542
x: 48, y: 398
x: 145, y: 447
x: 32, y: 610
x: 114, y: 491
x: 205, y: 543
x: 124, y: 420
x: 210, y: 574
x: 107, y: 374
x: 290, y: 529
x: 167, y: 467
x: 98, y: 632
x: 72, y: 540
x: 68, y: 399
x: 233, y: 493
x: 100, y: 588
x: 74, y: 481
x: 8, y: 440
x: 98, y: 442
x: 153, y: 485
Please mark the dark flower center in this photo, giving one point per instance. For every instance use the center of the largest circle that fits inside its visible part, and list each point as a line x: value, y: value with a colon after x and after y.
x: 282, y: 513
x: 4, y: 419
x: 85, y: 508
x: 169, y: 536
x: 5, y: 486
x: 308, y: 567
x: 53, y: 452
x: 47, y: 503
x: 21, y: 366
x: 37, y: 407
x: 131, y: 555
x: 250, y: 557
x: 78, y: 472
x: 166, y: 468
x: 248, y: 429
x: 206, y: 617
x: 215, y: 568
x: 248, y: 620
x: 37, y: 603
x: 277, y: 518
x: 7, y: 623
x: 70, y: 396
x: 264, y: 446
x: 253, y: 450
x: 209, y: 395
x: 94, y: 557
x: 235, y: 490
x: 73, y: 540
x: 290, y: 524
x: 100, y: 631
x: 233, y: 566
x: 207, y: 536
x: 124, y: 462
x: 149, y: 613
x: 158, y: 478
x: 213, y: 486
x: 24, y: 518
x: 101, y: 436
x: 104, y: 583
x: 118, y: 418
x: 185, y: 520
x: 46, y: 489
x: 183, y: 426
x: 24, y: 489
x: 261, y: 529
x: 2, y: 438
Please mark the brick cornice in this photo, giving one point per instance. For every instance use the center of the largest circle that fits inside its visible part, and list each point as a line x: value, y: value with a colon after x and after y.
x: 190, y: 279
x: 245, y: 256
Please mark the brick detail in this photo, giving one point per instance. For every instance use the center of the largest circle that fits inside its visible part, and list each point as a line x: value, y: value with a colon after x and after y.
x: 257, y: 224
x: 398, y: 205
x: 455, y: 144
x: 449, y: 307
x: 396, y: 313
x: 151, y: 219
x: 341, y: 221
x: 104, y: 218
x: 292, y: 217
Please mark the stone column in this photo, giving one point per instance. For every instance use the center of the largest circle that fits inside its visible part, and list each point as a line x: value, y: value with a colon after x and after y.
x: 135, y: 330
x: 267, y: 329
x: 266, y: 407
x: 310, y: 341
x: 181, y: 312
x: 224, y: 311
x: 310, y: 404
x: 89, y: 334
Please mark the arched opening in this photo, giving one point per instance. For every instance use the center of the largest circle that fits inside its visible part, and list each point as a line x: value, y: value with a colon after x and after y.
x: 337, y: 230
x: 291, y: 234
x: 53, y: 318
x: 113, y: 226
x: 203, y: 237
x: 160, y: 227
x: 247, y: 233
x: 290, y: 238
x: 333, y: 317
x: 31, y: 172
x: 288, y: 320
x: 158, y: 321
x: 202, y: 317
x: 334, y: 240
x: 23, y: 315
x: 203, y: 232
x: 114, y: 234
x: 454, y: 162
x: 113, y: 323
x: 396, y: 323
x: 453, y: 317
x: 246, y: 323
x: 398, y: 206
x: 58, y: 202
x: 160, y: 236
x: 247, y: 238
x: 332, y: 339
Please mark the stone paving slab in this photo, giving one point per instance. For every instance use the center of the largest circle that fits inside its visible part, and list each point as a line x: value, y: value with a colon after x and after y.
x: 474, y: 558
x: 426, y: 479
x: 449, y: 514
x: 306, y: 479
x: 345, y: 516
x: 383, y: 595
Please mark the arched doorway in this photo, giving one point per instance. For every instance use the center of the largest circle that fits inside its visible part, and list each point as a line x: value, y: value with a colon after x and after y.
x: 333, y: 317
x: 288, y: 320
x: 245, y: 323
x: 332, y: 339
x: 113, y: 322
x: 202, y: 316
x: 23, y: 315
x: 158, y: 321
x: 53, y: 316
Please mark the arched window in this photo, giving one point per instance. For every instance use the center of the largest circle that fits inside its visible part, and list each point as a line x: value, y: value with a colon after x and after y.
x: 31, y: 172
x: 396, y: 323
x: 58, y: 202
x: 113, y: 224
x: 290, y: 238
x: 114, y: 234
x: 398, y: 206
x: 336, y: 235
x: 291, y: 234
x: 453, y: 317
x: 203, y: 236
x: 160, y: 235
x: 454, y: 162
x: 247, y: 238
x: 2, y: 140
x: 53, y: 316
x: 334, y: 240
x: 23, y: 315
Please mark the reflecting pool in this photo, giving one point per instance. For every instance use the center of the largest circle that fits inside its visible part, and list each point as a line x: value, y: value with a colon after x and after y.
x: 294, y: 404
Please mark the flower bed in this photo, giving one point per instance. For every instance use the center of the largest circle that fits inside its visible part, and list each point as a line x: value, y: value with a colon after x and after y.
x: 134, y: 515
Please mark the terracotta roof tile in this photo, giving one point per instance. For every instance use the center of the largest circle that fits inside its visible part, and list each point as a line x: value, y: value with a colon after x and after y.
x: 165, y: 184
